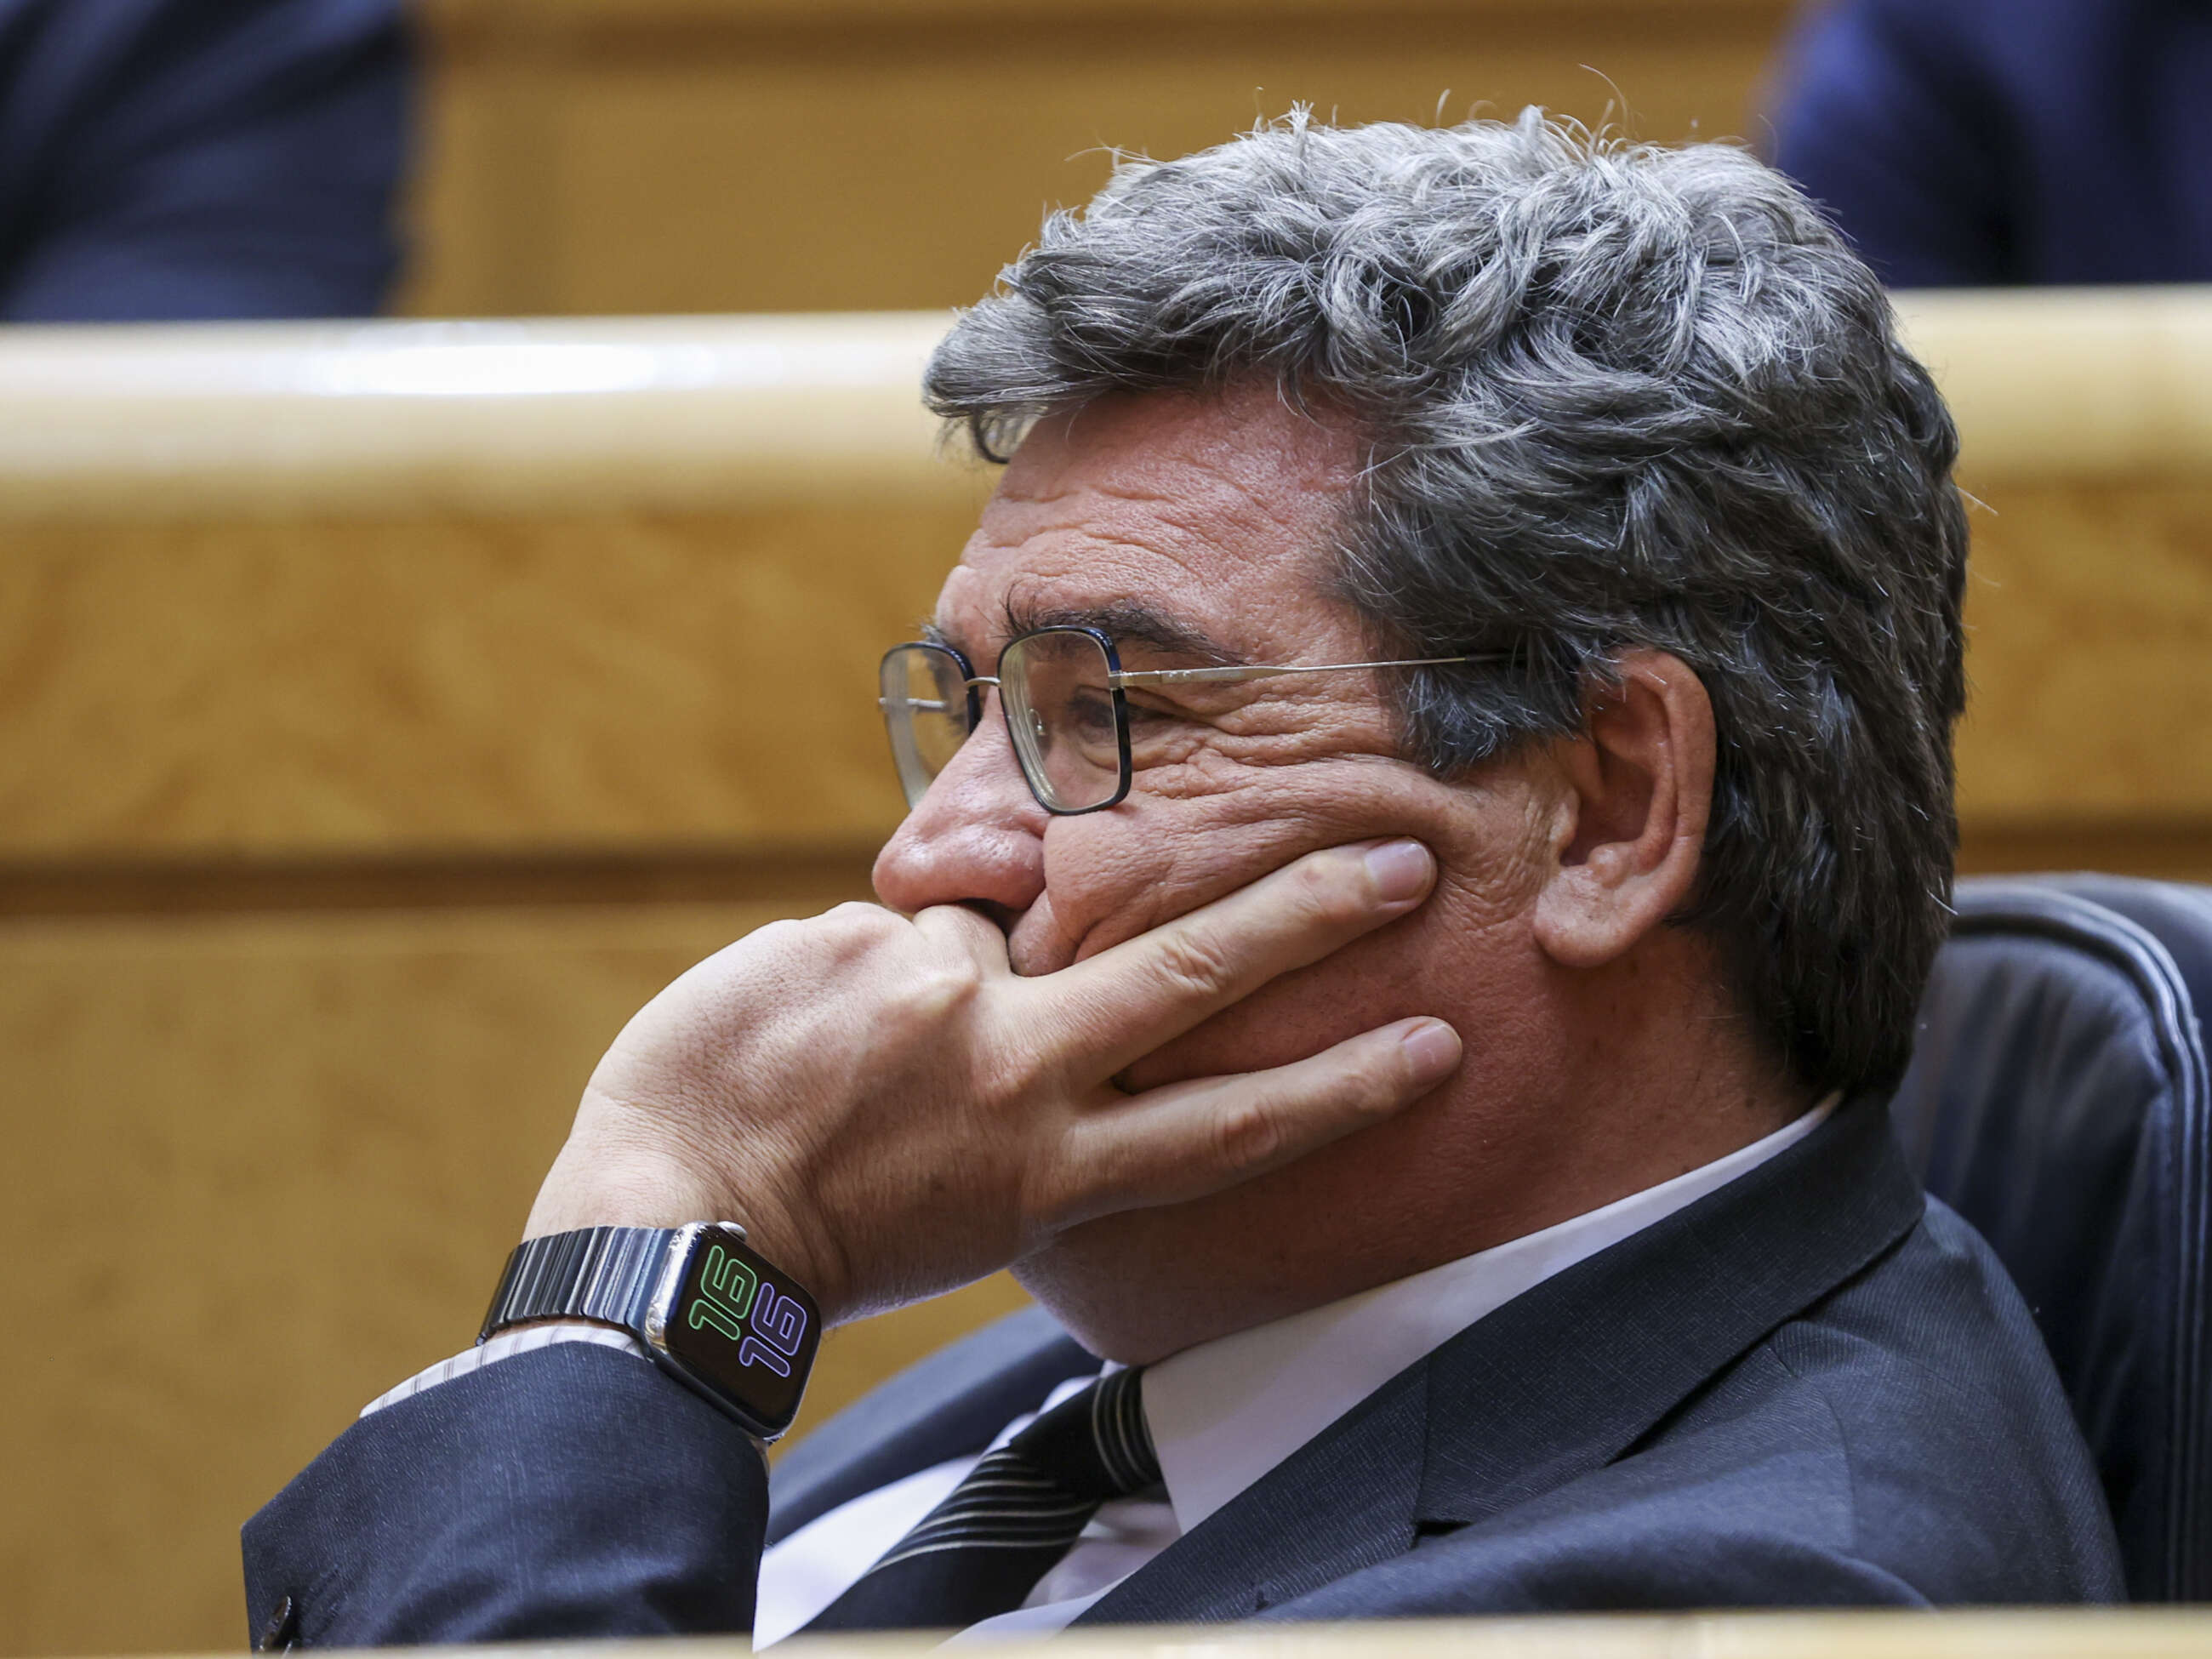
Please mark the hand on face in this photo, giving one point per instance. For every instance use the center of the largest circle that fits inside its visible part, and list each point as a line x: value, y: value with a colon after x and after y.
x: 892, y: 1112
x: 1195, y: 534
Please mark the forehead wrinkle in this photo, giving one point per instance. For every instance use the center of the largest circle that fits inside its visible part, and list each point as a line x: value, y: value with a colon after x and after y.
x: 1232, y: 494
x: 1084, y: 567
x: 1196, y: 535
x: 1069, y: 548
x: 1090, y: 555
x: 1121, y: 472
x: 1307, y: 517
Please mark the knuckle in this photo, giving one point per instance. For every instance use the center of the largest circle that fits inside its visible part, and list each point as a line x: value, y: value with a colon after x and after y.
x: 1247, y: 1134
x: 854, y: 929
x: 1015, y: 1070
x: 1329, y: 891
x: 1376, y: 1093
x: 1371, y: 1086
x: 859, y: 917
x: 1195, y: 961
x: 939, y: 988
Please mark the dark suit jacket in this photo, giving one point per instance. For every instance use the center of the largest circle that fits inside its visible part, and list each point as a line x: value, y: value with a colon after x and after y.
x: 2007, y: 141
x: 1812, y: 1387
x: 192, y: 159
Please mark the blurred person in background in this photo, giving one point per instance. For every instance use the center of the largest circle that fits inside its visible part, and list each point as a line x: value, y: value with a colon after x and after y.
x: 1980, y: 142
x: 182, y: 160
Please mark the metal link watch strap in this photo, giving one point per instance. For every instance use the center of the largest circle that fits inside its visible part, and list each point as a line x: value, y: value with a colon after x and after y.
x: 595, y: 1273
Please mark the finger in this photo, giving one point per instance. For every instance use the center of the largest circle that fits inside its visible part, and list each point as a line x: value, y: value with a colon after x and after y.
x: 967, y: 929
x: 1188, y: 1140
x: 1124, y: 1003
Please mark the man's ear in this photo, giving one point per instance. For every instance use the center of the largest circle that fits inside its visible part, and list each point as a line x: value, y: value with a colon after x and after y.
x: 1630, y: 829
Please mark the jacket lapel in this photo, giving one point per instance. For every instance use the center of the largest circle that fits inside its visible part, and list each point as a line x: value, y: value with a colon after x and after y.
x: 1559, y: 1382
x: 1343, y: 1501
x: 1569, y: 1377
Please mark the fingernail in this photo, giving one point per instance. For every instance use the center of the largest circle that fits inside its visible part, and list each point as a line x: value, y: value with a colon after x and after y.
x: 1433, y: 1046
x: 1399, y: 869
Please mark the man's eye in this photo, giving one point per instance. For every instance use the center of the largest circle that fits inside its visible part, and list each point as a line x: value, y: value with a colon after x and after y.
x: 1089, y: 715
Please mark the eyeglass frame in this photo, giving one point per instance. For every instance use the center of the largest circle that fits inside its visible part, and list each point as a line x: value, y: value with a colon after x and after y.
x: 1116, y: 677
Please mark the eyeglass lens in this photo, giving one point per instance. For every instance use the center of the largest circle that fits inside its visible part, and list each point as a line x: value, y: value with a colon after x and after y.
x: 925, y: 701
x: 1057, y: 692
x: 1060, y: 706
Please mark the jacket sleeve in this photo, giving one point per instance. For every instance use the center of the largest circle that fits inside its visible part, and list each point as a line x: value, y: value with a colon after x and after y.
x: 1888, y: 116
x: 204, y: 158
x: 574, y: 1490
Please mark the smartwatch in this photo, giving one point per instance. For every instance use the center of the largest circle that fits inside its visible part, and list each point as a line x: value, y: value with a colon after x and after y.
x: 713, y: 1315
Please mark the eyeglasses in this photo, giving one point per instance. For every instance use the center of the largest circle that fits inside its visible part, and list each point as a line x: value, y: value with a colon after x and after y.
x: 1060, y: 690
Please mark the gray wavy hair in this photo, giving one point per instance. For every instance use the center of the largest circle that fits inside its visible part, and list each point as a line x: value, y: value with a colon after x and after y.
x: 1611, y: 395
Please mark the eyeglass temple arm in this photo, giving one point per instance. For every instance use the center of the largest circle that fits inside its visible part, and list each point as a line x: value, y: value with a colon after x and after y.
x: 1231, y: 676
x: 1255, y: 671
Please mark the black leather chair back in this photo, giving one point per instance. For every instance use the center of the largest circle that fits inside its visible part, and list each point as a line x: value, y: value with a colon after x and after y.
x: 2058, y: 1100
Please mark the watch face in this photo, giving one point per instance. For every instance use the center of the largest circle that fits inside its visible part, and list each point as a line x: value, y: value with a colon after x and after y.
x: 745, y: 1327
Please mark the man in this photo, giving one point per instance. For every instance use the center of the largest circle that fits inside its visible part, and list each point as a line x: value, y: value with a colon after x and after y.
x: 1430, y: 814
x: 1988, y: 142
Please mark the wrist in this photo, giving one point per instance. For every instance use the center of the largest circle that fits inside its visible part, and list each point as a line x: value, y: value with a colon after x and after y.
x: 586, y: 1189
x: 580, y: 1192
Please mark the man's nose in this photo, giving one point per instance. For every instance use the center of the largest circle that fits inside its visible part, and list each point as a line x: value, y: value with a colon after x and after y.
x: 977, y: 836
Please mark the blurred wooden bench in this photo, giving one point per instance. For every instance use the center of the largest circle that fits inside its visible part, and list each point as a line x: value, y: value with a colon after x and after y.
x: 391, y: 709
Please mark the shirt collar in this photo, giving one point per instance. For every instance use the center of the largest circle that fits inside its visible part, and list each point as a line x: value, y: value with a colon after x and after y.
x: 1225, y: 1412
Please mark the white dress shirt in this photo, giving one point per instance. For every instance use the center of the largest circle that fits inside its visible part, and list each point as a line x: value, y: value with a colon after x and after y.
x: 1222, y: 1414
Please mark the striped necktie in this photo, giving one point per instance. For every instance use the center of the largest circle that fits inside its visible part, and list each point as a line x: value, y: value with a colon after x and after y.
x: 982, y: 1550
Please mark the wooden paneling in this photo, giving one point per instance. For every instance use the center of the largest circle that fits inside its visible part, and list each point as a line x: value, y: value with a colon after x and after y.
x: 2091, y: 655
x: 433, y: 686
x: 612, y: 155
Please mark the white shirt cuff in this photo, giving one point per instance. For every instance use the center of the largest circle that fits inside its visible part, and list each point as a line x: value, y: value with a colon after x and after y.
x: 525, y: 1339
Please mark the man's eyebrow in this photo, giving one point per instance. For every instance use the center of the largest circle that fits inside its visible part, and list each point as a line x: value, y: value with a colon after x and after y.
x: 1126, y: 622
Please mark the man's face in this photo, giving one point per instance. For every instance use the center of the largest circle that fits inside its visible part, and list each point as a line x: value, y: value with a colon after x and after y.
x: 1197, y: 533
